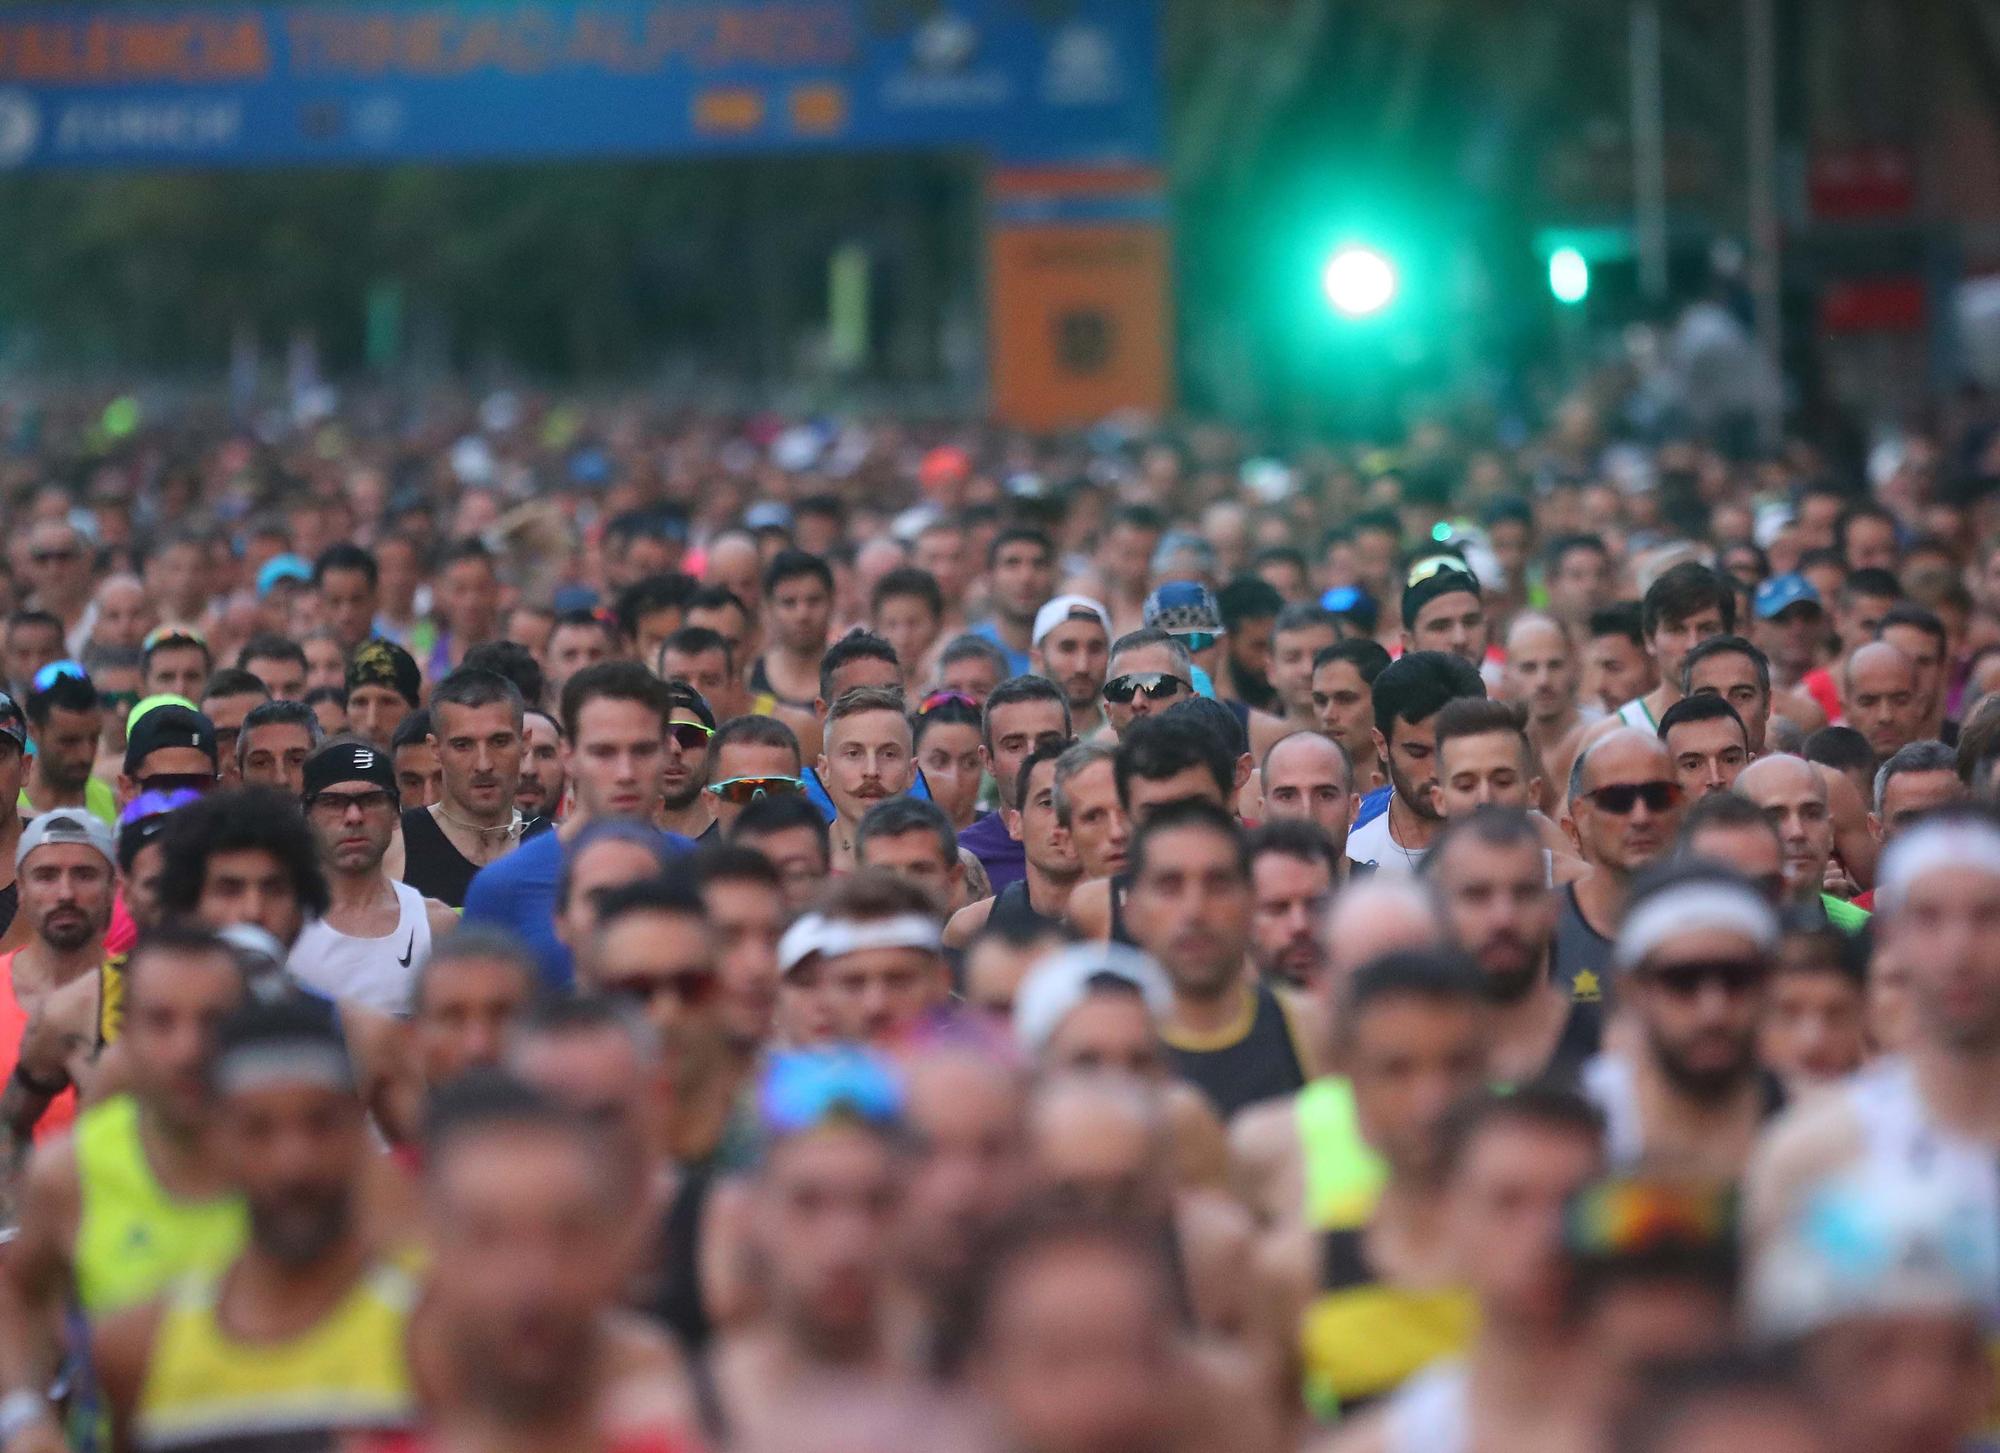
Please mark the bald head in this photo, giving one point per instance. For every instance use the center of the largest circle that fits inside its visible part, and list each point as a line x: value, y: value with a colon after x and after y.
x: 1102, y: 1141
x: 1377, y: 915
x: 1309, y: 776
x: 1878, y: 686
x: 1627, y: 754
x: 1792, y: 796
x: 1624, y: 801
x: 1532, y: 632
x: 1767, y: 777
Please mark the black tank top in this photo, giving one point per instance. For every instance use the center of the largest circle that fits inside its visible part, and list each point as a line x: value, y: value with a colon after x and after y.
x: 1013, y: 912
x: 1582, y: 960
x: 10, y: 904
x: 679, y: 1305
x: 433, y: 866
x: 1262, y: 1065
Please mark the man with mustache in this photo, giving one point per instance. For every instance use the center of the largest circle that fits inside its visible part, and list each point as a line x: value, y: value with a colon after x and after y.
x: 367, y: 945
x: 476, y: 731
x: 868, y: 758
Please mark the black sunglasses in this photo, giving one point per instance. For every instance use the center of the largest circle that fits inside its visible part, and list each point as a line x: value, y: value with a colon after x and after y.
x: 690, y: 736
x: 1621, y: 797
x: 1684, y: 981
x: 1156, y: 685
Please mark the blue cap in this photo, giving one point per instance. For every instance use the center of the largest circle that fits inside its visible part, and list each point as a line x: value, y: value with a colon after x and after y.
x: 282, y: 567
x: 1182, y: 606
x: 574, y: 597
x: 1781, y: 592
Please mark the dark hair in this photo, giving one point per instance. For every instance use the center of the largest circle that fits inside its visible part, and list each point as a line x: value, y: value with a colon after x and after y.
x: 855, y: 646
x: 1248, y: 598
x: 944, y: 713
x: 1381, y: 521
x: 68, y: 693
x: 780, y: 812
x: 1620, y: 618
x: 1861, y: 509
x: 1720, y: 809
x: 279, y: 713
x: 1708, y: 706
x: 1017, y: 689
x: 899, y: 815
x: 1903, y: 613
x: 699, y: 641
x: 469, y: 686
x: 908, y: 581
x: 1303, y: 615
x: 1152, y: 636
x: 794, y: 564
x: 1212, y: 716
x: 1158, y: 747
x: 721, y: 861
x: 1139, y: 517
x: 1193, y: 812
x: 1489, y: 823
x: 1925, y: 756
x: 1047, y: 752
x: 413, y: 730
x: 1840, y: 747
x: 669, y: 590
x: 468, y: 547
x: 171, y: 640
x: 483, y: 1101
x: 1673, y: 1395
x: 1478, y: 716
x: 1436, y: 976
x: 759, y: 731
x: 346, y: 555
x: 476, y: 940
x: 1368, y: 658
x: 717, y: 597
x: 611, y: 681
x: 968, y: 647
x: 1015, y: 535
x: 1297, y: 838
x: 1417, y: 685
x: 176, y: 936
x: 868, y: 894
x: 1544, y: 1104
x: 1683, y: 591
x: 1872, y: 584
x: 238, y: 819
x: 1726, y: 645
x: 662, y: 894
x: 47, y: 620
x: 269, y: 646
x: 234, y: 681
x: 654, y: 522
x: 1563, y: 546
x: 513, y: 661
x: 583, y: 618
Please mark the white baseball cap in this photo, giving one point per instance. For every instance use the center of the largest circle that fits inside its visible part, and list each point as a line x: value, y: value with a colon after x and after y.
x: 1067, y: 977
x: 1068, y: 608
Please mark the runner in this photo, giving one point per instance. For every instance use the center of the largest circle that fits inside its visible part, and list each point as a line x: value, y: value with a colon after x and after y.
x: 476, y: 729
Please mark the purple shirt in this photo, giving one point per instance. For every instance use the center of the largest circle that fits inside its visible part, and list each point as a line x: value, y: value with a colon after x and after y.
x: 1004, y: 859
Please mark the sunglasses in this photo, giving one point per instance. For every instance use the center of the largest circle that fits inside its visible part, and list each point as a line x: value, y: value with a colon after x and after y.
x: 744, y: 790
x: 691, y: 988
x: 1156, y: 685
x: 173, y: 636
x: 1621, y: 797
x: 56, y: 671
x: 944, y: 698
x: 1684, y: 981
x: 805, y: 1088
x: 690, y: 736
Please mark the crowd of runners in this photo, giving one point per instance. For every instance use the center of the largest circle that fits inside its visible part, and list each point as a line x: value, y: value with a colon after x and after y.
x: 551, y: 930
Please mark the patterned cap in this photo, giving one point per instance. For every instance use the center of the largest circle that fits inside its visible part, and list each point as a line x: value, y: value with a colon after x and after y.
x: 384, y: 663
x: 1182, y: 607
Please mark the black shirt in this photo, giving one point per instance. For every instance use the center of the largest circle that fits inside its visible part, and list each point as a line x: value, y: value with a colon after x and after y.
x: 433, y: 866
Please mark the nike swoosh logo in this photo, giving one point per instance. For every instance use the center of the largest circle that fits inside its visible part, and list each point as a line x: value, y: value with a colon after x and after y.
x: 409, y: 951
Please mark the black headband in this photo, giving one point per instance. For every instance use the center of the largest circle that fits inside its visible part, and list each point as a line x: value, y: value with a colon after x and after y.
x: 349, y: 762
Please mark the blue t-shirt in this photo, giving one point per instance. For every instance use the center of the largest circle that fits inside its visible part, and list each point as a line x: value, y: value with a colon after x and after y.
x: 1005, y: 860
x: 1372, y: 806
x: 519, y: 893
x: 1017, y: 661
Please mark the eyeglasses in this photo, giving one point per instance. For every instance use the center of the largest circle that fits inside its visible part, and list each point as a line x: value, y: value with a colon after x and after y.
x: 336, y: 804
x: 1156, y: 685
x: 944, y: 698
x: 804, y: 1088
x: 692, y: 988
x: 173, y: 636
x: 744, y: 790
x: 176, y: 782
x: 1734, y: 977
x: 1197, y: 641
x: 56, y: 671
x: 117, y: 700
x: 1620, y: 798
x: 690, y: 736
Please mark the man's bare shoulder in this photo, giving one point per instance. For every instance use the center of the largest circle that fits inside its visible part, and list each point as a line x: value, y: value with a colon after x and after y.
x: 1812, y: 1139
x: 1089, y: 910
x: 966, y: 923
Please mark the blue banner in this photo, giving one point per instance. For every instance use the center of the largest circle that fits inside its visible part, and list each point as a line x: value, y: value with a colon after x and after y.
x: 1021, y: 82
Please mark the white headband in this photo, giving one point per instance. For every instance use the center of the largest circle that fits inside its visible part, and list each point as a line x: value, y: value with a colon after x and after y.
x: 815, y: 933
x: 1704, y: 904
x: 290, y: 1062
x: 1954, y: 843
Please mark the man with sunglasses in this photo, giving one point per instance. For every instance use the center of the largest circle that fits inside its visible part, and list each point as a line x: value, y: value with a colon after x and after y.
x: 375, y: 932
x: 1624, y: 809
x: 751, y: 758
x: 1793, y: 798
x: 653, y: 948
x: 1149, y: 671
x: 168, y: 747
x: 685, y: 807
x: 1693, y: 963
x: 66, y: 720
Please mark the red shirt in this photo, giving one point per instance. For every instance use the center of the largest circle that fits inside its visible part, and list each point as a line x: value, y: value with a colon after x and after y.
x: 61, y: 1113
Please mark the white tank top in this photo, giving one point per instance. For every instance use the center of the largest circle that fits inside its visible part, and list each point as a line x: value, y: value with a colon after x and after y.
x: 375, y: 972
x: 1900, y: 1141
x: 1428, y: 1414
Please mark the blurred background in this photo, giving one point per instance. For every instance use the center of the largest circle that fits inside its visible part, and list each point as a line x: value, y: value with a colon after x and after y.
x: 1304, y: 216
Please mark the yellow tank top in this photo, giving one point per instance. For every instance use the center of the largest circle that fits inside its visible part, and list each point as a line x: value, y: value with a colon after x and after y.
x: 132, y: 1238
x: 1361, y: 1338
x: 1343, y: 1177
x: 206, y: 1391
x: 111, y: 1000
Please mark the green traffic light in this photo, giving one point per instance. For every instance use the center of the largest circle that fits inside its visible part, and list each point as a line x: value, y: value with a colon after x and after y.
x: 1569, y: 275
x: 1359, y: 282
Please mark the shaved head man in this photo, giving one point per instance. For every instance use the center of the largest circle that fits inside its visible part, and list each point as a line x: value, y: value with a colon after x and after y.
x: 1792, y: 797
x: 1624, y: 809
x: 1541, y: 677
x: 1878, y: 690
x: 1308, y: 775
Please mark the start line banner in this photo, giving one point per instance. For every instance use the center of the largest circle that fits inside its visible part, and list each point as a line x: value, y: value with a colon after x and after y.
x: 1072, y: 82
